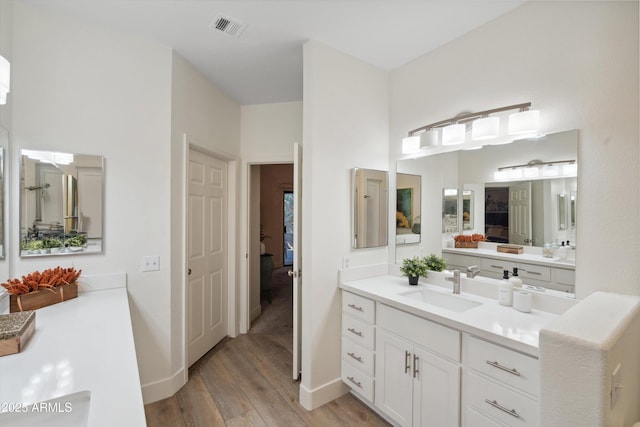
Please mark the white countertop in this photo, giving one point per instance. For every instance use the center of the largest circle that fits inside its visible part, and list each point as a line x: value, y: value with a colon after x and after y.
x: 81, y: 344
x: 492, y: 321
x: 524, y: 257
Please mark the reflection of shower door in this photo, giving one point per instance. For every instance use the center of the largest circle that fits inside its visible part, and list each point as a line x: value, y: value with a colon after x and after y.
x: 90, y: 201
x: 49, y: 201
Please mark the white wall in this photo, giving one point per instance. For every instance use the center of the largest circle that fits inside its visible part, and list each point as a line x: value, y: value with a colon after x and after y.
x: 345, y: 126
x: 267, y: 134
x: 81, y: 88
x: 578, y: 63
x: 206, y: 118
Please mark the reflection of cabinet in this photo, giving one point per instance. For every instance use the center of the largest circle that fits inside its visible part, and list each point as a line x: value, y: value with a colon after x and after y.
x: 266, y: 270
x: 460, y: 262
x: 496, y: 214
x: 417, y: 369
x: 500, y: 385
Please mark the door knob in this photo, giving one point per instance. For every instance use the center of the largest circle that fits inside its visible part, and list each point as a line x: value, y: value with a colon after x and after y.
x: 292, y: 273
x: 189, y: 272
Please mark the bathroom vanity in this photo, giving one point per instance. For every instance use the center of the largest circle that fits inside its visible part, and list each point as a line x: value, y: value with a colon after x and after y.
x: 420, y: 355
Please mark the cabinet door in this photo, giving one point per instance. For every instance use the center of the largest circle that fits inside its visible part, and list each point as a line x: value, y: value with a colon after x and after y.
x: 436, y: 393
x: 394, y: 380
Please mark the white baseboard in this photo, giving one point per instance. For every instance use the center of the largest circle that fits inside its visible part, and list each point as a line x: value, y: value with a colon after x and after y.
x: 161, y: 389
x: 312, y: 399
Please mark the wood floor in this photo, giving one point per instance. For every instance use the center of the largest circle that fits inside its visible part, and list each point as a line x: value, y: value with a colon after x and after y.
x: 246, y: 381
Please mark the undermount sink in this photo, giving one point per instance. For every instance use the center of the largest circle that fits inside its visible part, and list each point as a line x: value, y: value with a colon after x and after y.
x: 438, y: 299
x: 71, y: 410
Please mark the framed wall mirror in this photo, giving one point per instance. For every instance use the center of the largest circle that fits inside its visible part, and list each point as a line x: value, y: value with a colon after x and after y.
x: 472, y: 175
x: 4, y: 142
x: 370, y: 208
x: 61, y: 203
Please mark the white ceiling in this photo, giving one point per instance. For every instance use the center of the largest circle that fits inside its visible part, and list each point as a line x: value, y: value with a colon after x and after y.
x: 264, y: 64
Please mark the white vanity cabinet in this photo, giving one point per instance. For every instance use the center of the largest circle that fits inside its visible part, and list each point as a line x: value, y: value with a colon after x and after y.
x: 500, y: 385
x: 461, y: 262
x: 358, y: 339
x: 417, y: 369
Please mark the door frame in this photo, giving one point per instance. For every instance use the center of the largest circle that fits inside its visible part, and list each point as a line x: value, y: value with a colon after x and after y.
x: 232, y: 234
x: 244, y: 314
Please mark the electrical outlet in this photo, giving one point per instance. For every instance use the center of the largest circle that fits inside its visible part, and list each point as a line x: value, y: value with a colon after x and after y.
x: 151, y: 263
x: 345, y: 262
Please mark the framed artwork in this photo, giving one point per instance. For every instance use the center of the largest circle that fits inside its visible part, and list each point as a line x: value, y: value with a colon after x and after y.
x: 404, y: 203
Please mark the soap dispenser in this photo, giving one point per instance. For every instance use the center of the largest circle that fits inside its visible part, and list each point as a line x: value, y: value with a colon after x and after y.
x: 562, y: 252
x: 505, y: 290
x: 515, y: 280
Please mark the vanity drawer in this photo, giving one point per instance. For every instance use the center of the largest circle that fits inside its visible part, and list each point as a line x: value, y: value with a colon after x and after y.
x: 473, y: 418
x: 504, y: 365
x: 536, y: 272
x: 564, y: 277
x: 358, y: 381
x: 357, y: 306
x: 460, y: 262
x: 496, y: 401
x: 437, y: 338
x: 497, y: 266
x: 357, y: 356
x: 358, y: 331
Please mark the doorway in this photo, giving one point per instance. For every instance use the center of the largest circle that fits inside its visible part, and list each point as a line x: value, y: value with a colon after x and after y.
x: 270, y: 290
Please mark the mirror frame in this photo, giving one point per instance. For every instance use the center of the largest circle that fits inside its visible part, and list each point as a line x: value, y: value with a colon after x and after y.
x: 358, y: 216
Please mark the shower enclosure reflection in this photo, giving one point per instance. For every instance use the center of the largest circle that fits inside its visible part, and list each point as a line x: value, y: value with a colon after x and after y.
x: 61, y: 203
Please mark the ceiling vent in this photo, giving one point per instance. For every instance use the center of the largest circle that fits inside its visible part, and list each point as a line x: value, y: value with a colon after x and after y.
x: 227, y: 25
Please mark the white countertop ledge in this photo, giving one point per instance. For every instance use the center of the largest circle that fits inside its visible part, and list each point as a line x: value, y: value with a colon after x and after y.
x: 81, y: 344
x: 491, y: 321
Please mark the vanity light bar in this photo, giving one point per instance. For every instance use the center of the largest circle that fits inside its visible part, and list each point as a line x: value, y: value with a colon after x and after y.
x: 484, y: 127
x: 537, y: 169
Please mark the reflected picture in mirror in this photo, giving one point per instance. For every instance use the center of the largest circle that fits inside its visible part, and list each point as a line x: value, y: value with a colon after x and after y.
x: 369, y: 207
x: 61, y: 203
x: 408, y: 206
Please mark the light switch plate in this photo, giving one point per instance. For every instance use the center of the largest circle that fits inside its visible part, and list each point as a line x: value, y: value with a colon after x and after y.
x: 151, y: 263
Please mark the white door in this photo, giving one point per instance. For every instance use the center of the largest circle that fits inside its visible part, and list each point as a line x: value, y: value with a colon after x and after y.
x: 436, y: 392
x: 207, y: 254
x: 50, y: 199
x: 520, y: 213
x: 297, y: 259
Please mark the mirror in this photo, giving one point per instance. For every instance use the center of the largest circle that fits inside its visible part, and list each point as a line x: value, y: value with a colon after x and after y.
x: 474, y: 171
x: 467, y: 209
x: 450, y: 210
x: 562, y: 211
x: 369, y: 208
x: 408, y: 205
x: 61, y: 203
x: 4, y: 142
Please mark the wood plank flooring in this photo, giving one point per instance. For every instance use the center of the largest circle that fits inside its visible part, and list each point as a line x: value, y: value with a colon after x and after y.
x: 246, y: 381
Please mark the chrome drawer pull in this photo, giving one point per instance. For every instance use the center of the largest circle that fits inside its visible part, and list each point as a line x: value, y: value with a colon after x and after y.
x: 355, y: 307
x: 407, y: 361
x: 495, y: 364
x: 353, y: 331
x: 416, y: 364
x: 495, y: 404
x: 496, y: 266
x: 534, y: 272
x: 355, y: 382
x: 358, y: 358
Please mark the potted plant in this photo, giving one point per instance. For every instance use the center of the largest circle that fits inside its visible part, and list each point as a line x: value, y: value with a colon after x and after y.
x: 435, y: 263
x: 413, y: 268
x: 35, y: 246
x: 52, y: 243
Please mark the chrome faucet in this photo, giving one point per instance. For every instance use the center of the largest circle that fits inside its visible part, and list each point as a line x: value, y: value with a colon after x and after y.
x: 472, y: 271
x: 456, y: 281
